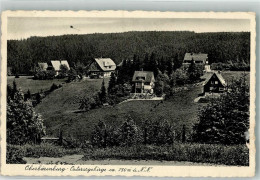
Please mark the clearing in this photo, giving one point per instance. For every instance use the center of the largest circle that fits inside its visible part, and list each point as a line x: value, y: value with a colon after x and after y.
x: 27, y: 82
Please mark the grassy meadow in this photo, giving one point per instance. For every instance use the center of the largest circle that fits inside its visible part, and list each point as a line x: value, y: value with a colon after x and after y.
x: 27, y: 82
x: 60, y: 110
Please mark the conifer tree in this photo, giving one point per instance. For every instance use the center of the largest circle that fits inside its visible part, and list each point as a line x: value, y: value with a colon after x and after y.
x: 112, y: 83
x: 103, y: 93
x: 27, y: 95
x: 24, y: 125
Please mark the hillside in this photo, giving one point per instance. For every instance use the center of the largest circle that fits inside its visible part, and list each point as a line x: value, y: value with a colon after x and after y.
x: 221, y: 47
x: 60, y: 109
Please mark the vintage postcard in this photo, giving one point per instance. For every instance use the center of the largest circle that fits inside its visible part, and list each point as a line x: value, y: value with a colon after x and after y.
x: 119, y: 93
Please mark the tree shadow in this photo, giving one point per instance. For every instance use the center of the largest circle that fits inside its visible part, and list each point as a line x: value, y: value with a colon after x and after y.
x: 79, y: 111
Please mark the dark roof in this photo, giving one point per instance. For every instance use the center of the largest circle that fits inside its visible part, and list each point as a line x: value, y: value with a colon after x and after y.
x: 196, y: 57
x: 106, y: 64
x: 143, y: 76
x: 219, y: 76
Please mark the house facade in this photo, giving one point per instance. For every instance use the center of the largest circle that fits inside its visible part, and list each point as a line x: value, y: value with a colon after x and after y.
x: 143, y: 82
x: 214, y: 84
x: 102, y: 67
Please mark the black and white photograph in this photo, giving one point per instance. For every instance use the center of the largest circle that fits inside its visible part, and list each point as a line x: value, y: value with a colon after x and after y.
x: 127, y: 93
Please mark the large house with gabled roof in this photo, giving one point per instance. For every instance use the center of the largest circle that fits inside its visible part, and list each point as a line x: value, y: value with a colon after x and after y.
x: 102, y: 67
x: 143, y: 82
x: 198, y: 58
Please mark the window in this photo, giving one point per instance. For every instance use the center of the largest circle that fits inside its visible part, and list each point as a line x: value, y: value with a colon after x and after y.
x: 216, y: 82
x: 210, y: 88
x: 140, y: 78
x: 212, y: 82
x: 221, y: 89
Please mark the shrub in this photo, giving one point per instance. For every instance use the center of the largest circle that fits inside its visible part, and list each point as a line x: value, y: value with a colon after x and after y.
x: 129, y: 133
x: 201, y: 153
x: 157, y: 133
x: 44, y: 74
x: 53, y: 87
x: 14, y: 155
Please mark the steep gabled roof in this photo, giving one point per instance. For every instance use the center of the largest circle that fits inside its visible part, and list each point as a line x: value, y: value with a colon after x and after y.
x: 219, y: 76
x: 196, y: 57
x: 106, y: 64
x: 43, y: 66
x: 143, y: 76
x: 56, y: 65
x: 65, y: 62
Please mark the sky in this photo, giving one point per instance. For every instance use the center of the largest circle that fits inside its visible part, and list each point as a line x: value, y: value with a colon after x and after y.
x: 24, y: 27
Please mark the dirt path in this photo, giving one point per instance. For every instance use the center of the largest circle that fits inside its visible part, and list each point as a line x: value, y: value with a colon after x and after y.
x: 76, y: 159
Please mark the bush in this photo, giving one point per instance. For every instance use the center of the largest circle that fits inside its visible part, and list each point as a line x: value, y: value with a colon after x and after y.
x: 17, y: 152
x: 14, y: 155
x: 88, y: 103
x: 129, y: 134
x: 201, y: 153
x: 53, y: 87
x: 44, y: 74
x: 157, y: 133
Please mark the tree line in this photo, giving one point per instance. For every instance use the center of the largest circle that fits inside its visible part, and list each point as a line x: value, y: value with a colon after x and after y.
x: 224, y: 47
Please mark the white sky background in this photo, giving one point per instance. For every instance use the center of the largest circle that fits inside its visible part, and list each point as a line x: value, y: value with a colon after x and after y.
x: 24, y: 27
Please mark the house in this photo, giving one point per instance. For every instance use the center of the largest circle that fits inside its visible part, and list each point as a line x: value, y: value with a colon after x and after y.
x: 143, y: 82
x: 56, y: 64
x: 198, y: 58
x: 102, y: 67
x: 43, y: 66
x: 215, y: 83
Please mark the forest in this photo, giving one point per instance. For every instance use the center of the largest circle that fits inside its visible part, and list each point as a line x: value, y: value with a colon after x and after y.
x: 221, y: 47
